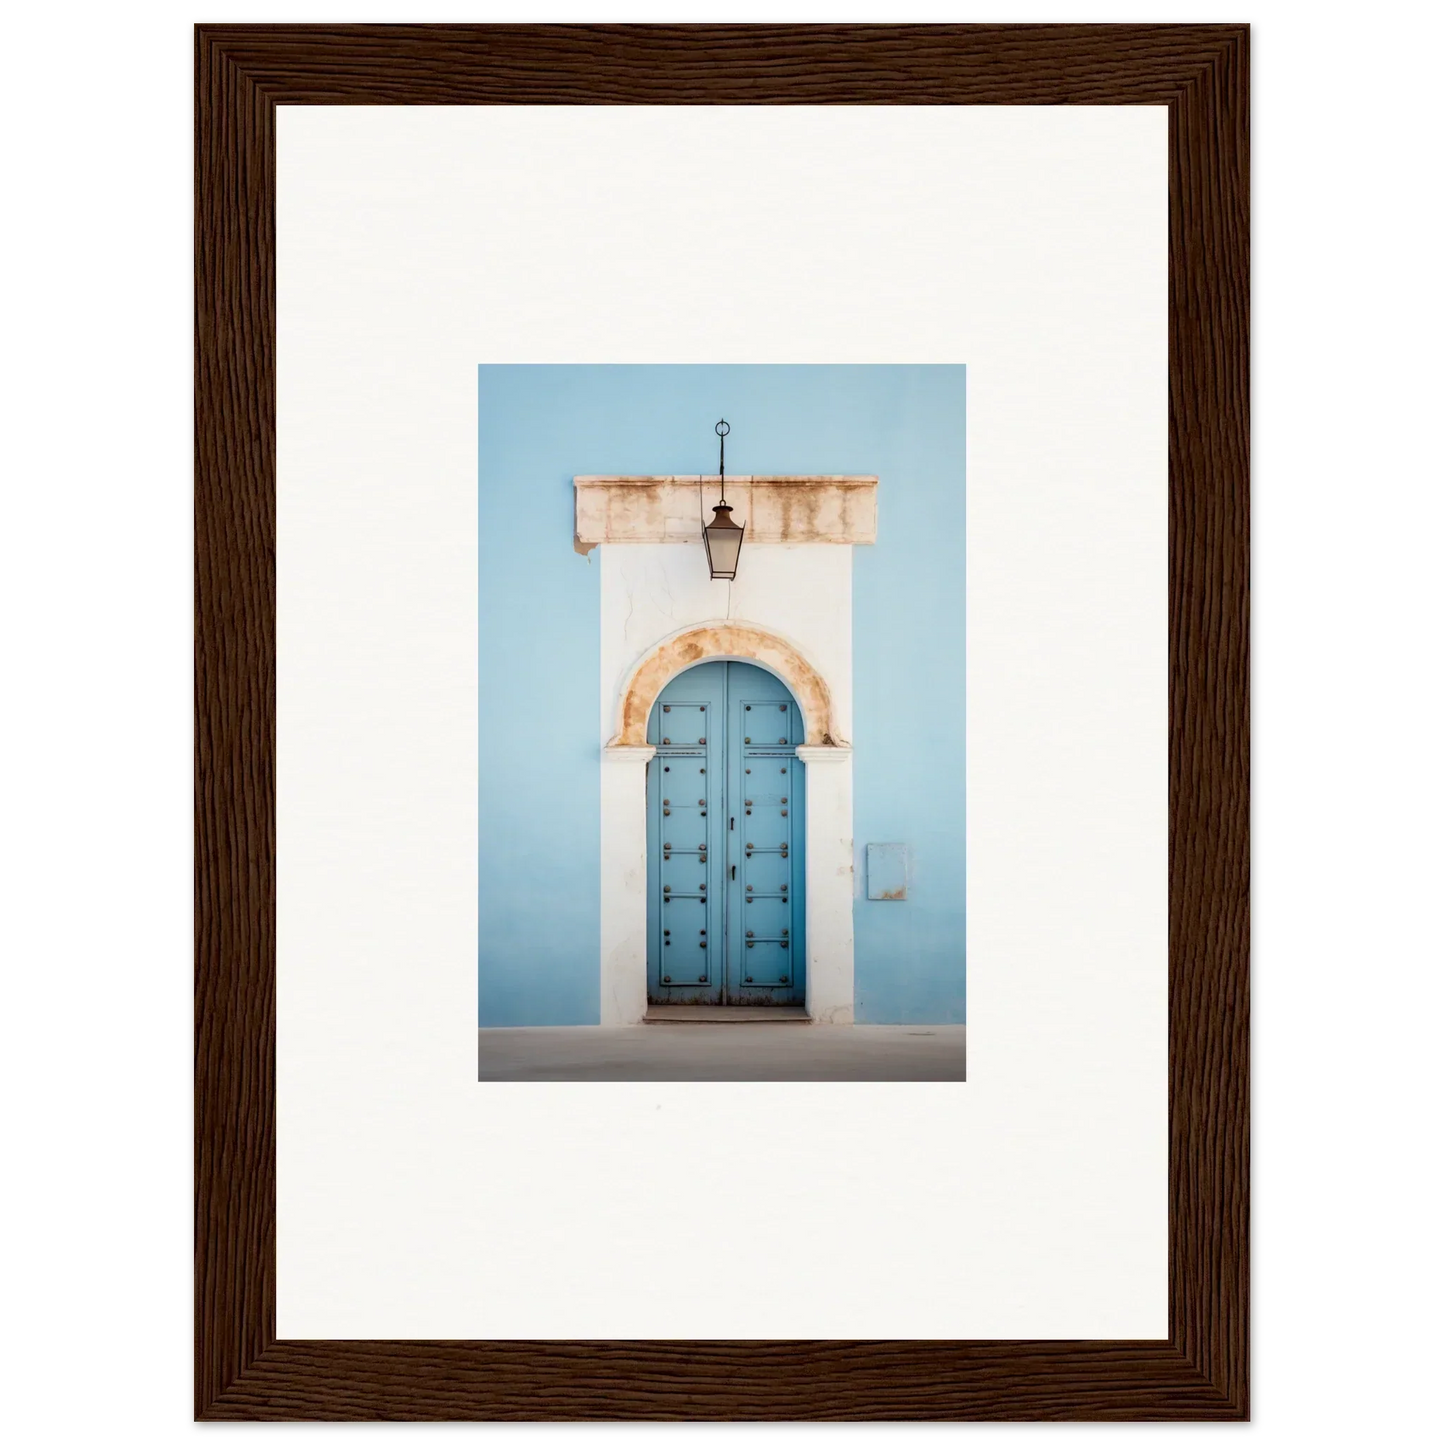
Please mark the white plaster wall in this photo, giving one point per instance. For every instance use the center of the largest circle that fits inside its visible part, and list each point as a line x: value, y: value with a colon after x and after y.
x: 624, y: 884
x: 802, y: 591
x: 829, y: 900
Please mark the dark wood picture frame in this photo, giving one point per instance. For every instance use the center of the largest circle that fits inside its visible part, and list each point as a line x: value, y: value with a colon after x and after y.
x: 243, y: 1372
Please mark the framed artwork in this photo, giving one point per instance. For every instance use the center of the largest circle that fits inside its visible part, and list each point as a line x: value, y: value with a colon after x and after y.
x: 722, y: 722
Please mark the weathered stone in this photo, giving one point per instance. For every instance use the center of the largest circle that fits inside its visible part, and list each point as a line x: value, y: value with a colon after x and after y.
x: 836, y: 509
x: 724, y: 639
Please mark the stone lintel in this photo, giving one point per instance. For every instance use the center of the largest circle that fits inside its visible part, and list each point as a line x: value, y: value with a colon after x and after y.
x: 822, y: 508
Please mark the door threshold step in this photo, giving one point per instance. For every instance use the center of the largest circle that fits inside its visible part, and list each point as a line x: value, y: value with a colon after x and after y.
x: 692, y: 1013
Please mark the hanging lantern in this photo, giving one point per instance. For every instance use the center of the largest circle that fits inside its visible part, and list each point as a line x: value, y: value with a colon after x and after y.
x: 722, y: 537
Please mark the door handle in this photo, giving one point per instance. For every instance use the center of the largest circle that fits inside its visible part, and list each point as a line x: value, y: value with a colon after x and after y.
x: 735, y: 873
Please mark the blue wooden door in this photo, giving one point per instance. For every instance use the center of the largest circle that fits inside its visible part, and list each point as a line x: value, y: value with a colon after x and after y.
x: 725, y: 840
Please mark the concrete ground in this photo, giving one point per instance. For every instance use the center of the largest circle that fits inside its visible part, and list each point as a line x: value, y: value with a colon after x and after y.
x: 766, y: 1052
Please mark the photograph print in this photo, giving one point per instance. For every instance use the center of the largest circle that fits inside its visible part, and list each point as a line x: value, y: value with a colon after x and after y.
x: 721, y: 636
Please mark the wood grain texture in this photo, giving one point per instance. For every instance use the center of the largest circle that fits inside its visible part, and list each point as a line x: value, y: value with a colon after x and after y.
x: 242, y: 74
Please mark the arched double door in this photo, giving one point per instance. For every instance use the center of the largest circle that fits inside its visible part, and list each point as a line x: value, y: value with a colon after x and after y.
x: 725, y: 866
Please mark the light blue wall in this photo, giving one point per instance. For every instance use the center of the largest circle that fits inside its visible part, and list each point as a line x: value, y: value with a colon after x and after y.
x: 539, y: 649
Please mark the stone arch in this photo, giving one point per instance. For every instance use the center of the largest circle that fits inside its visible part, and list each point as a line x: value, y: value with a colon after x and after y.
x: 741, y: 641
